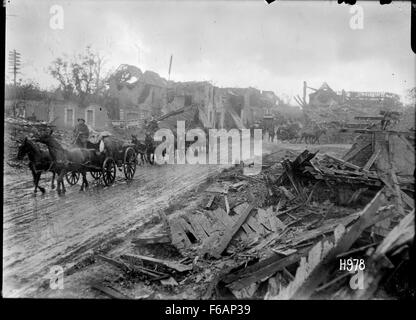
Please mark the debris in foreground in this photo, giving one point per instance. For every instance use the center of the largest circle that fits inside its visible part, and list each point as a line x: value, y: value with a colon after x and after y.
x: 282, y: 233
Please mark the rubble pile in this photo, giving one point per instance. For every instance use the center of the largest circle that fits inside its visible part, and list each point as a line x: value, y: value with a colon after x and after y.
x: 282, y: 233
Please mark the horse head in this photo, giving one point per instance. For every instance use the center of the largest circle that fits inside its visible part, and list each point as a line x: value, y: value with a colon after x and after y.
x: 23, y: 149
x: 52, y: 144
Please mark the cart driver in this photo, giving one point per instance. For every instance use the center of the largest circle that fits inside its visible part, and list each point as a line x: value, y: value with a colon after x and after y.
x: 81, y: 133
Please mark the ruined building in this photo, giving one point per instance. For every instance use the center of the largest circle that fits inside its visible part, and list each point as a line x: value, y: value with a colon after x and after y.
x: 141, y: 96
x: 327, y: 105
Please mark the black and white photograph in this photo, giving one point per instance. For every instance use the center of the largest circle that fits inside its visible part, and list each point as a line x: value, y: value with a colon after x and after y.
x: 209, y: 150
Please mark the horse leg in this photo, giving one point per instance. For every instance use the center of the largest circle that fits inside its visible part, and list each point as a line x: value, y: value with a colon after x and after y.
x: 37, y: 182
x: 84, y: 185
x: 32, y: 169
x: 59, y: 181
x: 84, y: 177
x: 53, y: 180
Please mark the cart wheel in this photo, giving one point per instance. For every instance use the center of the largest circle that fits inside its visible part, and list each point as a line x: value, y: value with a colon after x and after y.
x: 96, y: 174
x: 72, y: 177
x: 109, y: 171
x: 129, y: 164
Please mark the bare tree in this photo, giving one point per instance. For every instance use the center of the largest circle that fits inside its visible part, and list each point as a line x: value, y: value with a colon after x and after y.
x: 80, y: 76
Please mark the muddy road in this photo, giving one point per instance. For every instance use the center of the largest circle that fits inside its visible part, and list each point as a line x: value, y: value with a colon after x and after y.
x: 40, y: 231
x: 45, y: 230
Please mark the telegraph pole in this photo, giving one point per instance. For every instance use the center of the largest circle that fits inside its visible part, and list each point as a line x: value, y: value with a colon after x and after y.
x: 14, y: 65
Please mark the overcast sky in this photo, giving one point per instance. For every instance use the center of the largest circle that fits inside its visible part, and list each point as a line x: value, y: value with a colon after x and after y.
x: 231, y: 43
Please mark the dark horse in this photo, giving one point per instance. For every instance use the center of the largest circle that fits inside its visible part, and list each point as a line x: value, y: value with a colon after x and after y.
x: 39, y: 161
x: 140, y: 148
x: 65, y: 160
x: 312, y: 136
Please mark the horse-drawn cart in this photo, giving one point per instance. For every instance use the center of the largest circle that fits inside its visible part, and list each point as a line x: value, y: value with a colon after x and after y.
x: 103, y: 163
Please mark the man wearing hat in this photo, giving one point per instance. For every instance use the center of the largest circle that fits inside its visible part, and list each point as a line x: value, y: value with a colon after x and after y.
x: 81, y: 133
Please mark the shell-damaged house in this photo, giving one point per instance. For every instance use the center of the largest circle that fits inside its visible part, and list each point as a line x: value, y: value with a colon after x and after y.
x: 327, y: 105
x: 144, y: 96
x: 138, y: 95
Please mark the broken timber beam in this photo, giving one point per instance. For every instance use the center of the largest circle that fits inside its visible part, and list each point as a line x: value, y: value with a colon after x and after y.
x: 343, y: 162
x: 139, y: 259
x: 157, y: 239
x: 408, y: 200
x: 372, y: 159
x: 262, y: 270
x: 219, y: 241
x: 210, y: 201
x: 119, y: 264
x: 128, y: 269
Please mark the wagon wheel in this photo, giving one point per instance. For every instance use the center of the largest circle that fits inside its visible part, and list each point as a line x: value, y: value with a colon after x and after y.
x: 72, y: 177
x: 129, y: 164
x: 96, y: 174
x: 109, y: 171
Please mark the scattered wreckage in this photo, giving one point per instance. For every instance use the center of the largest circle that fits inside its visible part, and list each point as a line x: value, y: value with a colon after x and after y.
x: 284, y: 233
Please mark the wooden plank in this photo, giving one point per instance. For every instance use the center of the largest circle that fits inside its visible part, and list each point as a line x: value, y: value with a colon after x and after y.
x: 368, y: 118
x: 393, y: 177
x: 343, y: 162
x: 117, y: 263
x: 261, y: 270
x: 217, y: 189
x: 404, y: 133
x: 358, y: 149
x: 110, y: 291
x: 372, y: 159
x: 221, y: 216
x: 408, y: 200
x: 263, y: 219
x: 127, y: 268
x: 326, y: 228
x: 204, y: 223
x: 165, y: 263
x: 407, y: 142
x: 193, y: 221
x: 210, y: 201
x: 250, y: 232
x: 227, y: 205
x: 252, y: 222
x: 157, y: 239
x: 239, y: 184
x: 179, y: 238
x: 222, y: 239
x: 188, y: 227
